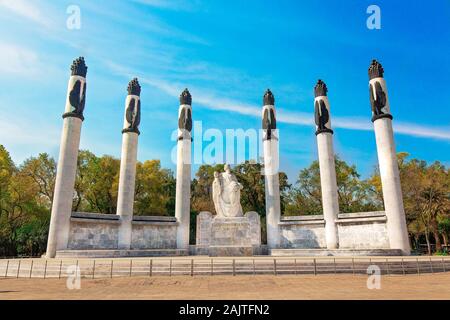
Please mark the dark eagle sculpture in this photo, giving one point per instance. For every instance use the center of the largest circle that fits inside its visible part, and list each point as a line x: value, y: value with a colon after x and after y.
x: 378, y: 101
x: 133, y: 110
x: 185, y: 119
x: 133, y: 114
x: 322, y: 115
x: 269, y: 122
x: 77, y: 97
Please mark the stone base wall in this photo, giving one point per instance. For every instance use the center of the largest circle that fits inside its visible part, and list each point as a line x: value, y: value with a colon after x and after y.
x: 89, y: 231
x: 362, y: 230
x: 302, y: 232
x: 153, y: 235
x: 93, y: 235
x: 236, y: 231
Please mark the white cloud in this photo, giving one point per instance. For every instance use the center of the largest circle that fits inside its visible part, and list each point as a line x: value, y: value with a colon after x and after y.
x: 18, y: 60
x: 213, y: 102
x: 26, y: 9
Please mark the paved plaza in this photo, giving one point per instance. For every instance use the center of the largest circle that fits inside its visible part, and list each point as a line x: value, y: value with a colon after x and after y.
x: 429, y: 286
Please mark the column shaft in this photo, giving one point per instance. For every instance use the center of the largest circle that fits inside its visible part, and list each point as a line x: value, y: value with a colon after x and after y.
x: 125, y: 199
x: 328, y: 185
x: 183, y: 191
x: 272, y: 192
x: 390, y: 181
x: 64, y: 186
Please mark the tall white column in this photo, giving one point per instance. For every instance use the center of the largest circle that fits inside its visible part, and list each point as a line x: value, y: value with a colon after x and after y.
x: 67, y: 163
x: 387, y: 160
x: 328, y: 181
x: 271, y: 170
x: 127, y: 178
x: 183, y: 187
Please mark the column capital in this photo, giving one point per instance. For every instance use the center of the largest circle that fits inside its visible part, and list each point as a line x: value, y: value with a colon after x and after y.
x: 79, y: 67
x: 375, y: 70
x: 320, y: 89
x: 268, y: 98
x: 185, y: 97
x: 134, y: 88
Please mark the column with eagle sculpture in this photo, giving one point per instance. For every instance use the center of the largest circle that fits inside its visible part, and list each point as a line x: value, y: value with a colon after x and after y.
x: 67, y: 162
x: 328, y: 182
x: 387, y: 160
x: 130, y: 133
x: 183, y: 186
x: 271, y: 170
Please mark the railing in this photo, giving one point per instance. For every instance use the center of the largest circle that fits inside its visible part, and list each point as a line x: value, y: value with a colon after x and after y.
x: 102, y: 268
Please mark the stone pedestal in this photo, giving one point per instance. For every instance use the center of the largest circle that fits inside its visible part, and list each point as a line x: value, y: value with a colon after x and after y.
x: 234, y: 236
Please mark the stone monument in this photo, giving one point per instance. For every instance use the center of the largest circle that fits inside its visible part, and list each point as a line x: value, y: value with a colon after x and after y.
x: 271, y: 172
x: 229, y: 233
x: 130, y: 133
x: 58, y: 235
x: 183, y: 191
x: 387, y: 160
x: 325, y: 148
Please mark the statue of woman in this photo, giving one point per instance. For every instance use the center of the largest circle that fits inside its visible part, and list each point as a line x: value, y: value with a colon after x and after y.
x: 227, y: 194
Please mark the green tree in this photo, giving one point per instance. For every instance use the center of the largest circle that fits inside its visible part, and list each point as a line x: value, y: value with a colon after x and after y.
x: 354, y: 194
x: 42, y: 171
x: 155, y: 188
x: 426, y: 197
x: 96, y: 183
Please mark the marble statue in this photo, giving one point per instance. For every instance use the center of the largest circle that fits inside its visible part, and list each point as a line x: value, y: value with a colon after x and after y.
x: 227, y: 194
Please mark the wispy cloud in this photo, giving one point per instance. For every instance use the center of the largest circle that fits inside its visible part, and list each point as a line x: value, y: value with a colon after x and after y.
x: 214, y: 102
x: 26, y: 9
x: 18, y: 60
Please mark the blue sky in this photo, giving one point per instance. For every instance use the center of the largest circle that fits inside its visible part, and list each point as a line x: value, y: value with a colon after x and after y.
x: 227, y: 53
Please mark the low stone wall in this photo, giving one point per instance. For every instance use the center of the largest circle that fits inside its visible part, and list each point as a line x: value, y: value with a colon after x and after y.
x: 302, y: 232
x: 154, y: 234
x: 90, y: 231
x: 93, y: 231
x: 361, y: 230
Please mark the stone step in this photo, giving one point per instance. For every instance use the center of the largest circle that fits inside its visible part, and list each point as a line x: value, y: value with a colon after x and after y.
x: 120, y: 253
x: 335, y: 252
